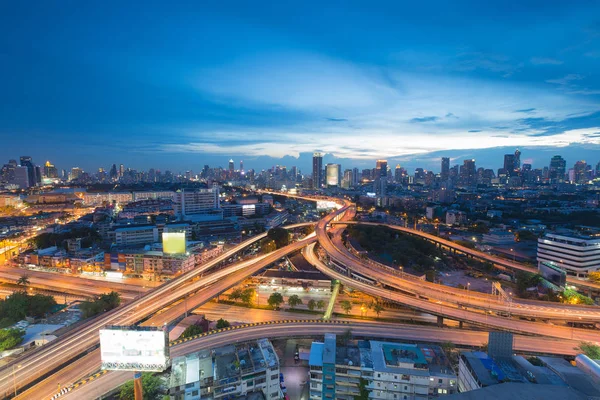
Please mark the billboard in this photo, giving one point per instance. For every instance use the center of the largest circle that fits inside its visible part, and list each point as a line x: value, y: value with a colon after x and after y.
x: 326, y: 205
x: 174, y: 242
x: 132, y: 348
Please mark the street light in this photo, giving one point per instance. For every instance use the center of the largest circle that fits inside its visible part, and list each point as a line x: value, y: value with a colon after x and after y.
x: 468, y: 295
x: 257, y: 299
x: 513, y: 253
x: 14, y: 379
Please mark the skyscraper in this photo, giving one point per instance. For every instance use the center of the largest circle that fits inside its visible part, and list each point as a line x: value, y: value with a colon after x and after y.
x: 231, y: 167
x: 445, y: 171
x: 317, y: 170
x: 381, y: 178
x: 27, y: 163
x: 509, y: 164
x: 50, y: 170
x: 241, y: 166
x: 580, y: 172
x: 468, y: 172
x: 517, y: 165
x: 557, y: 170
x: 333, y: 174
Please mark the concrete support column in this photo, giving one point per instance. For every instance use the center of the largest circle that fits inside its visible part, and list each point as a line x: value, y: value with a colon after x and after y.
x: 440, y: 321
x: 460, y: 324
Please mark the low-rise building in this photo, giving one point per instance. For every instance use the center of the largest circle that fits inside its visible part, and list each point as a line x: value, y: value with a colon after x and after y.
x: 227, y: 372
x: 497, y: 237
x: 387, y: 370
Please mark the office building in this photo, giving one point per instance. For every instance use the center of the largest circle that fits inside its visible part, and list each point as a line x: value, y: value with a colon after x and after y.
x: 392, y: 370
x: 317, y: 170
x: 557, y: 170
x: 50, y: 171
x: 228, y: 372
x: 576, y: 254
x: 32, y: 179
x: 198, y: 205
x: 332, y: 175
x: 381, y: 178
x: 21, y: 177
x: 231, y: 168
x: 76, y: 173
x: 509, y: 164
x: 468, y: 173
x: 445, y: 171
x: 580, y: 173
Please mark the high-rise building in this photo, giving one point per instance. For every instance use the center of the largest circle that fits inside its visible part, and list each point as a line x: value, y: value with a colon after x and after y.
x: 356, y: 176
x: 333, y: 175
x: 381, y: 169
x: 21, y: 177
x: 580, y: 172
x: 121, y: 171
x: 50, y: 171
x: 348, y: 179
x: 113, y: 174
x: 231, y: 167
x: 76, y: 173
x: 241, y: 166
x: 317, y: 170
x: 201, y: 204
x: 31, y: 177
x: 445, y: 171
x: 509, y: 164
x: 468, y: 172
x: 517, y: 165
x: 557, y: 170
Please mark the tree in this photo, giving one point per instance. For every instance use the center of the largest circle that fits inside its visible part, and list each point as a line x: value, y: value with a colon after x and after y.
x: 345, y: 337
x: 247, y: 296
x: 23, y: 281
x: 150, y: 383
x: 594, y: 276
x: 346, y: 306
x: 589, y: 349
x: 190, y: 331
x: 311, y: 305
x: 294, y: 300
x: 363, y: 391
x: 235, y: 294
x: 39, y: 305
x: 275, y: 300
x: 280, y: 236
x: 223, y: 323
x: 378, y: 308
x: 103, y: 303
x: 10, y: 338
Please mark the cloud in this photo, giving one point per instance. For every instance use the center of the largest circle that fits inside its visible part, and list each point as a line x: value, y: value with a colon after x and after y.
x: 566, y: 80
x: 424, y: 119
x: 545, y: 61
x: 569, y: 85
x: 471, y: 61
x: 526, y: 110
x: 474, y: 130
x: 337, y: 119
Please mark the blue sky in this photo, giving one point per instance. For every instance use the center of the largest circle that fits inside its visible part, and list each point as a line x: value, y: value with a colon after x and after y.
x: 178, y: 86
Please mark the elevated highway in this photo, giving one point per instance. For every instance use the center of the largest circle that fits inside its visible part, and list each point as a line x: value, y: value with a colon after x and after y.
x: 47, y: 358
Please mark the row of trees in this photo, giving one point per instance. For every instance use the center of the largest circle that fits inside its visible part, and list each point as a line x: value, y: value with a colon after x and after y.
x: 102, y: 303
x: 194, y: 330
x: 20, y: 304
x: 364, y: 308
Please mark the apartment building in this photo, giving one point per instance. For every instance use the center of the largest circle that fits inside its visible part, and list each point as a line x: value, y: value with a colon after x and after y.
x: 227, y: 372
x: 387, y: 370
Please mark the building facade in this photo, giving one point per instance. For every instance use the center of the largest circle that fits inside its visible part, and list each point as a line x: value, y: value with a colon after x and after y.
x: 576, y: 255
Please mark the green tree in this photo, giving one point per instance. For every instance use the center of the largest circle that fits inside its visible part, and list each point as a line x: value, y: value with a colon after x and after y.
x: 23, y: 281
x: 280, y: 236
x: 223, y: 323
x: 594, y: 276
x: 103, y: 303
x: 247, y: 296
x: 589, y: 349
x: 345, y: 337
x: 275, y: 299
x: 39, y: 305
x: 10, y: 338
x: 190, y: 331
x: 363, y: 391
x: 321, y: 304
x: 346, y: 306
x: 235, y: 294
x: 378, y: 308
x: 294, y: 300
x: 150, y: 383
x: 15, y: 307
x: 312, y: 304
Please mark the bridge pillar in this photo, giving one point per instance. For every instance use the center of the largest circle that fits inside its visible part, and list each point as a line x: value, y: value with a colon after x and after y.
x: 460, y: 324
x: 440, y: 321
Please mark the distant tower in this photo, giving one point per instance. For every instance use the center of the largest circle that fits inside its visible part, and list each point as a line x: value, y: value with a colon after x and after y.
x: 445, y: 171
x: 381, y: 177
x: 517, y: 166
x: 557, y: 170
x: 27, y: 163
x: 317, y: 170
x: 231, y: 167
x: 241, y: 166
x: 121, y: 170
x: 333, y: 174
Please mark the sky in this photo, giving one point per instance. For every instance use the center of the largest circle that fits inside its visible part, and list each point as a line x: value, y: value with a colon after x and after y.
x: 176, y: 85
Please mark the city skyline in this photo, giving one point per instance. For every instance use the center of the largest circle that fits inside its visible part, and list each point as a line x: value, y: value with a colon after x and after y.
x: 358, y: 84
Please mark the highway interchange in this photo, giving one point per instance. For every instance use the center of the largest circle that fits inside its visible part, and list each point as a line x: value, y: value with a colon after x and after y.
x: 199, y: 286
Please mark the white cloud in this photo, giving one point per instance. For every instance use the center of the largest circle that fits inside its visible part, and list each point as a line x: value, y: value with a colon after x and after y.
x: 545, y: 61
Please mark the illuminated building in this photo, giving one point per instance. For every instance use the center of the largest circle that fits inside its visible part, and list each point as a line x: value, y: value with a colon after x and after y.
x: 317, y: 170
x: 332, y: 175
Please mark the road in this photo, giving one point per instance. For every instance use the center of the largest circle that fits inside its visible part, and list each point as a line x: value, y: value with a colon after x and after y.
x: 450, y: 311
x: 51, y: 356
x: 471, y: 299
x: 71, y: 284
x: 475, y: 253
x: 303, y: 328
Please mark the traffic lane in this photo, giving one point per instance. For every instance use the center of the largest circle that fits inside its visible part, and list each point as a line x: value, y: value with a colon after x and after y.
x: 455, y: 313
x: 76, y: 370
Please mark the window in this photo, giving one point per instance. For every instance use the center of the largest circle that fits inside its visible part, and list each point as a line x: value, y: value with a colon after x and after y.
x: 195, y: 393
x: 379, y: 375
x: 439, y: 381
x: 274, y: 376
x: 313, y: 385
x: 405, y: 387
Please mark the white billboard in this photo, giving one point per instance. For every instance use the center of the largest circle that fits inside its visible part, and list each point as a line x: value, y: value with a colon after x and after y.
x: 326, y: 205
x: 134, y: 348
